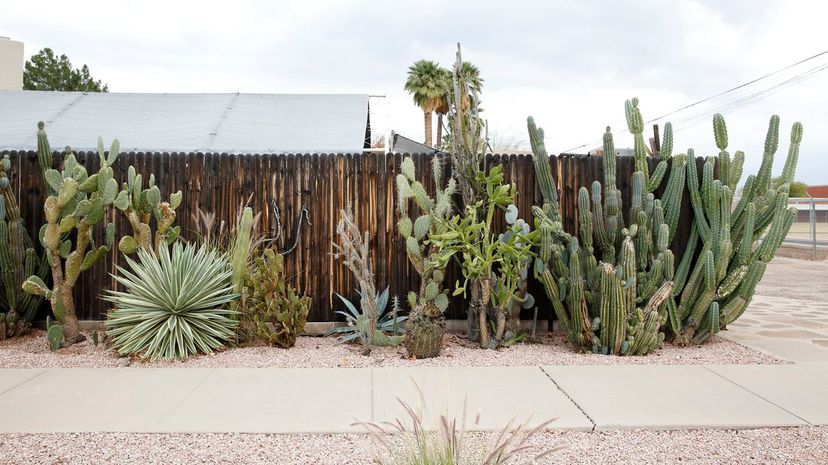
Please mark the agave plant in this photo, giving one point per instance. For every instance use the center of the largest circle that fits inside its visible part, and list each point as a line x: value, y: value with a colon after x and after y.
x: 176, y: 303
x: 387, y: 330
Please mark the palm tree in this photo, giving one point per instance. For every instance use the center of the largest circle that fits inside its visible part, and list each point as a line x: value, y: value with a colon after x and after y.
x: 445, y: 105
x: 426, y: 84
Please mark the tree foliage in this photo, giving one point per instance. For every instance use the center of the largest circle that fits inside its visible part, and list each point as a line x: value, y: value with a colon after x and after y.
x: 47, y: 71
x: 797, y: 188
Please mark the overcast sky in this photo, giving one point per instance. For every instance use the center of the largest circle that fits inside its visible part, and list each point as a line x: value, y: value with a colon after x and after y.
x: 569, y: 63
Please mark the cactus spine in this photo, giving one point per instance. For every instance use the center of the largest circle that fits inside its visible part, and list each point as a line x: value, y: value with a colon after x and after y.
x: 76, y: 204
x: 18, y: 260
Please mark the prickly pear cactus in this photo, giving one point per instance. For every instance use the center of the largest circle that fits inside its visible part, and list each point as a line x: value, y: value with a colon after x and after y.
x: 18, y: 260
x: 143, y: 205
x: 55, y: 336
x: 77, y: 203
x: 429, y: 304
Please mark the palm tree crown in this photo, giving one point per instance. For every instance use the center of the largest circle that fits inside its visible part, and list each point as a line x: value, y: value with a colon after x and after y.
x: 428, y: 86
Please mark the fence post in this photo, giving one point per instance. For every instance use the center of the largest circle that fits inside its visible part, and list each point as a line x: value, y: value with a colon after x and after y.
x: 813, y: 227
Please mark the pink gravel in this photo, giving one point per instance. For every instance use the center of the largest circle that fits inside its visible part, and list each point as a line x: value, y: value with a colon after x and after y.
x: 30, y: 351
x: 804, y: 446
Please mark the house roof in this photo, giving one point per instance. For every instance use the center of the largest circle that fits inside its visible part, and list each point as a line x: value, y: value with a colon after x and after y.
x: 402, y: 144
x: 819, y: 192
x: 232, y: 123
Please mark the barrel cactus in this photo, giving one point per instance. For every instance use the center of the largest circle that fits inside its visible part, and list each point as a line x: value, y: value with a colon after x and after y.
x: 18, y: 260
x: 77, y: 203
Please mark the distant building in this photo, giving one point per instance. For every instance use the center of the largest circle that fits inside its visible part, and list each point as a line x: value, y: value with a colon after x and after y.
x: 818, y: 192
x: 11, y: 64
x: 219, y: 123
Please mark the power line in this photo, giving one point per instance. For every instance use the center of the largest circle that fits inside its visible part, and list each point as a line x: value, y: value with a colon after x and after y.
x: 739, y: 102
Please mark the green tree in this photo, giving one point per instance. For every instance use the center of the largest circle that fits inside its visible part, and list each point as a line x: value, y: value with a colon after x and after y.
x: 47, y: 71
x: 427, y: 84
x: 797, y: 188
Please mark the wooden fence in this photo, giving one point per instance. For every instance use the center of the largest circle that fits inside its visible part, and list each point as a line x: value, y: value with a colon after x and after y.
x: 323, y: 184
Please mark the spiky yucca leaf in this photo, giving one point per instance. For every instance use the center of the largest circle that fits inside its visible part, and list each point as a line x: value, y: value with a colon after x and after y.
x: 175, y: 304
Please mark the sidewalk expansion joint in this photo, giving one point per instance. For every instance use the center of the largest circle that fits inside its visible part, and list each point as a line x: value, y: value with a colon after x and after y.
x: 186, y: 396
x: 569, y: 397
x: 757, y: 395
x: 44, y: 370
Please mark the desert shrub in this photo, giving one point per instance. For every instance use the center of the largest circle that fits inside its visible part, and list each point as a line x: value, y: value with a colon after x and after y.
x: 176, y: 303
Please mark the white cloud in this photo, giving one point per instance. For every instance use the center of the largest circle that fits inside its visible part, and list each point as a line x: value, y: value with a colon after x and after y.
x: 570, y: 64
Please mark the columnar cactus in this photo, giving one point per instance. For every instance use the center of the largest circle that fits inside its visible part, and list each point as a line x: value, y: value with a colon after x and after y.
x: 625, y: 302
x: 424, y: 337
x: 140, y: 206
x: 609, y: 300
x: 77, y: 203
x: 738, y: 242
x: 18, y: 260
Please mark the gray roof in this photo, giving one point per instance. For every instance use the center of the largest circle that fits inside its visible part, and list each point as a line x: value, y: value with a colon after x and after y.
x: 232, y: 123
x: 402, y: 144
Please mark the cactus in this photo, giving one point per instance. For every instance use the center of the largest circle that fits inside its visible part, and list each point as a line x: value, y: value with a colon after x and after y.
x: 55, y: 336
x: 18, y: 260
x: 497, y: 264
x: 598, y: 301
x: 76, y: 204
x: 423, y: 338
x: 610, y: 289
x: 731, y: 264
x: 140, y: 206
x: 278, y: 312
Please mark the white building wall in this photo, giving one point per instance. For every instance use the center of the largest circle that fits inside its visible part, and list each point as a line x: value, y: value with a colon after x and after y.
x: 11, y: 64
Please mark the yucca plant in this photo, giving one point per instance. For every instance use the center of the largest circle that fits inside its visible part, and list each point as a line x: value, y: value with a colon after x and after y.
x: 387, y: 331
x: 176, y: 303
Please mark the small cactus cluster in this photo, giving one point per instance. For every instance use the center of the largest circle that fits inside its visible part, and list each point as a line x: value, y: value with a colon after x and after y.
x: 424, y: 337
x: 18, y: 260
x: 277, y: 311
x: 140, y: 206
x: 77, y: 202
x: 619, y: 290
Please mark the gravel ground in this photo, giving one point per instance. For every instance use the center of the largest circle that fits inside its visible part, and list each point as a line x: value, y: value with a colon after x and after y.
x: 31, y: 351
x: 807, y: 445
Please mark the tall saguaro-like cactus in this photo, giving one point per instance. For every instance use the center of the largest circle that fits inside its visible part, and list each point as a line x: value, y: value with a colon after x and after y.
x: 77, y: 203
x: 737, y: 241
x: 18, y: 260
x: 619, y: 289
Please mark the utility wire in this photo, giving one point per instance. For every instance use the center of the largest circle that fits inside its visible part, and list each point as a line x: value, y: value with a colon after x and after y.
x: 739, y: 102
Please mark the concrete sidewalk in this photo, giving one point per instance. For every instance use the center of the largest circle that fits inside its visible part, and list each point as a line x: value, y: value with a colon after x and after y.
x: 331, y: 400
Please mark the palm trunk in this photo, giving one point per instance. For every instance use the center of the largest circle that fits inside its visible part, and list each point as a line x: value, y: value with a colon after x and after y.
x: 439, y: 142
x: 428, y: 130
